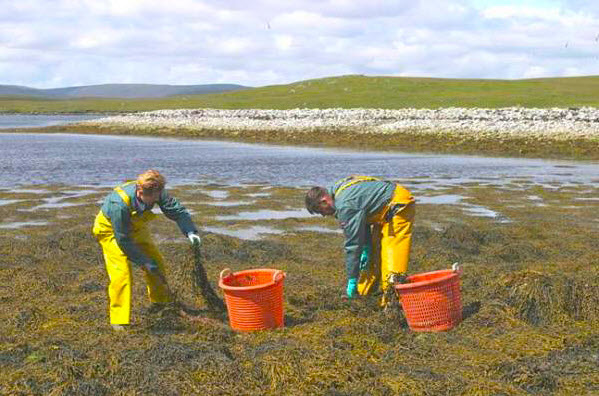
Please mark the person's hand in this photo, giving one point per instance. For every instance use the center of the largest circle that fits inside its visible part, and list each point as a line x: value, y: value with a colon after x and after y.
x: 364, y: 259
x: 352, y: 288
x: 193, y: 238
x: 151, y: 269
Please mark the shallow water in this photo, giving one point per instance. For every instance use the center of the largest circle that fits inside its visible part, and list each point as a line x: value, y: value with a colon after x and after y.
x: 266, y: 214
x: 323, y: 230
x: 100, y: 160
x: 8, y: 121
x: 229, y: 203
x: 440, y: 199
x: 250, y: 233
x: 20, y: 224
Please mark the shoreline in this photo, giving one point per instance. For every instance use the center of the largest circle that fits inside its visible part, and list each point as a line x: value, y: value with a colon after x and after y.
x: 571, y: 133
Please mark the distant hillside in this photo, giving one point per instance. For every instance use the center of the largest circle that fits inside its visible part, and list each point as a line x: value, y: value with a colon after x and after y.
x: 343, y: 92
x: 129, y: 91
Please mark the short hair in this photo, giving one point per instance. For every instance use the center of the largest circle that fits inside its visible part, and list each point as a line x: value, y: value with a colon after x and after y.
x: 313, y: 198
x: 151, y: 181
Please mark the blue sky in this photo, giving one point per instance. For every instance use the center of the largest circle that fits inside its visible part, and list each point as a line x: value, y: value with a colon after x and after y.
x: 46, y: 44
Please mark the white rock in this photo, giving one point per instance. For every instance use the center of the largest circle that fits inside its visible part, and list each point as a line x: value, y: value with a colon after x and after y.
x: 555, y: 123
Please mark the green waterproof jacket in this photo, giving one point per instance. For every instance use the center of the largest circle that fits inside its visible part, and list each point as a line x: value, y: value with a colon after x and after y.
x: 119, y: 214
x: 354, y: 203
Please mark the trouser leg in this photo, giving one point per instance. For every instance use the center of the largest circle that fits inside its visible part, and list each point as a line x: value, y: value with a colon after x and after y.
x: 396, y: 241
x: 370, y: 278
x: 119, y: 288
x: 157, y: 290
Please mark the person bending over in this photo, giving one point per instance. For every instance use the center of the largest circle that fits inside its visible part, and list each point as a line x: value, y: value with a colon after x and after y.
x: 121, y: 228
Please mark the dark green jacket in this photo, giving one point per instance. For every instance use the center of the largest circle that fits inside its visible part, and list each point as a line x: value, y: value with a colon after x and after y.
x: 354, y: 205
x: 119, y: 214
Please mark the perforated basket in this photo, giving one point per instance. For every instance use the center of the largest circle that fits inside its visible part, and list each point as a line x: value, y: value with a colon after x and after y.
x: 432, y: 301
x: 254, y: 298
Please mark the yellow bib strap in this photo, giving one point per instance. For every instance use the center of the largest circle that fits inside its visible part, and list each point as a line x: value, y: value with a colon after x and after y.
x: 354, y: 180
x: 123, y: 195
x: 119, y: 190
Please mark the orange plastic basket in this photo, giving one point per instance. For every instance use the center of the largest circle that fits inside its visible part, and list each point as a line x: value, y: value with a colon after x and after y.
x: 431, y: 301
x: 254, y: 298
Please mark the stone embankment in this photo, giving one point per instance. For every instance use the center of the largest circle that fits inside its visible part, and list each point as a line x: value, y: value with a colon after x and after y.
x: 474, y: 123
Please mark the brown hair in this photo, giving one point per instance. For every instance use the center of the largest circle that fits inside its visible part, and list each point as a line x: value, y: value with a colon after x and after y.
x: 151, y: 181
x: 313, y: 197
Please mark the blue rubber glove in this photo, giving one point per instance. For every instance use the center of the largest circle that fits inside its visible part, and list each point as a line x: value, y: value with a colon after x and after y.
x: 365, y: 258
x: 352, y: 288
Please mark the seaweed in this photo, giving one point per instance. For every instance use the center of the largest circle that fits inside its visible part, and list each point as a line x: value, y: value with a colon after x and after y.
x: 529, y: 291
x: 202, y: 284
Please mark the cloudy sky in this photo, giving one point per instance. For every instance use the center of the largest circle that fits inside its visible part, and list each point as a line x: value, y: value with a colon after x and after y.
x: 58, y: 43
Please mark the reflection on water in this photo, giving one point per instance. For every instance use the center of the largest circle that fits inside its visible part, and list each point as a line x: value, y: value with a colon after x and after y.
x: 27, y: 191
x: 481, y: 211
x: 469, y: 209
x: 251, y: 233
x: 56, y: 202
x: 53, y: 205
x: 440, y: 199
x: 320, y: 229
x: 217, y: 194
x: 21, y: 224
x: 9, y: 201
x: 266, y: 214
x: 8, y: 121
x: 229, y: 203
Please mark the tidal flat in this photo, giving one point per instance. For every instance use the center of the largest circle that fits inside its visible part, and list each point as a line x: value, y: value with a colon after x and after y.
x: 530, y: 291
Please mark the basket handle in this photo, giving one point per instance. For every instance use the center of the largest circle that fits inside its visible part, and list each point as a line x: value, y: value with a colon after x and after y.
x: 456, y: 268
x: 277, y: 275
x: 226, y: 271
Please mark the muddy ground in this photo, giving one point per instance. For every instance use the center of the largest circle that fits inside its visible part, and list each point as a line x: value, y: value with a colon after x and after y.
x: 530, y: 293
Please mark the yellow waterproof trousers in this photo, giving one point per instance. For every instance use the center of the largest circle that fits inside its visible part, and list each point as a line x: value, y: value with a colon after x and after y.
x: 119, y: 267
x: 391, y: 242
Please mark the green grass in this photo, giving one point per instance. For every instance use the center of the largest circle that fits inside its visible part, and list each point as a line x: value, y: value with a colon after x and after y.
x: 349, y: 92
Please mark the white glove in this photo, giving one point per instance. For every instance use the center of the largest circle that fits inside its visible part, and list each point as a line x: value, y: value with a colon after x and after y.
x: 193, y: 238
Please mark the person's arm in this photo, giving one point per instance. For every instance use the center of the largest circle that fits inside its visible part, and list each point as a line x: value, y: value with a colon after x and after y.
x: 120, y: 218
x: 354, y: 226
x: 172, y: 208
x: 367, y: 250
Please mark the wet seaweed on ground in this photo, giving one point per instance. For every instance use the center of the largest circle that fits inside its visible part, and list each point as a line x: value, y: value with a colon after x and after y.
x: 539, y: 297
x: 529, y: 326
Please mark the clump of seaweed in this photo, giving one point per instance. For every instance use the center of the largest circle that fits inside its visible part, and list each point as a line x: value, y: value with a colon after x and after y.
x: 539, y: 297
x: 202, y: 284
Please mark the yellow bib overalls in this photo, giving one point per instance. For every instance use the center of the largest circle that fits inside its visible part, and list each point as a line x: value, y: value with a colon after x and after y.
x: 119, y: 267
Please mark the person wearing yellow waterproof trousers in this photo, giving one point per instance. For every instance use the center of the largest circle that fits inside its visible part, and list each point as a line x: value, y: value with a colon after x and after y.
x: 121, y: 229
x: 376, y: 217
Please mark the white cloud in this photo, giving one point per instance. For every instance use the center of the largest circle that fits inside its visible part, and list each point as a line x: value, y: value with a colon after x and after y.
x: 283, y: 42
x: 79, y: 42
x: 536, y: 72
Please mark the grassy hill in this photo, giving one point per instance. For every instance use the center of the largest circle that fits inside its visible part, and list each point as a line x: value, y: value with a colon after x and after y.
x: 349, y: 92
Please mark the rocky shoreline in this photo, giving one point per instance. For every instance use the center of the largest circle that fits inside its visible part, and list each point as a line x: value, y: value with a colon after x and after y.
x: 474, y: 123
